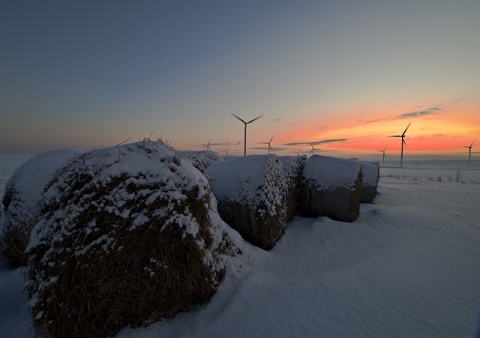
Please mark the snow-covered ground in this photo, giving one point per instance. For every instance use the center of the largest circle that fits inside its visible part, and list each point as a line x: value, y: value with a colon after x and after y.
x: 408, y: 267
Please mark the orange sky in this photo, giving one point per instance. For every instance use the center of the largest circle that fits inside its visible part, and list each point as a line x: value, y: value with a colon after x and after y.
x: 443, y: 129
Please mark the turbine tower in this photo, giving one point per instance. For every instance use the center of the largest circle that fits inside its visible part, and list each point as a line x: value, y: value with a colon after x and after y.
x: 470, y: 151
x: 403, y: 143
x: 245, y: 133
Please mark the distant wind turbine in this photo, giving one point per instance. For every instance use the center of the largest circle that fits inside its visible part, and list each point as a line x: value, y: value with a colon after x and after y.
x: 226, y: 152
x: 269, y: 144
x: 313, y: 149
x: 403, y: 143
x: 470, y: 151
x: 207, y: 146
x: 245, y: 133
x: 298, y: 152
x: 383, y: 157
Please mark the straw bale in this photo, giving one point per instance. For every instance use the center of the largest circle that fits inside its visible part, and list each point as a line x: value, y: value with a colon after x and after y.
x: 130, y: 235
x: 22, y: 193
x: 371, y: 174
x: 251, y: 197
x: 330, y: 187
x: 293, y: 167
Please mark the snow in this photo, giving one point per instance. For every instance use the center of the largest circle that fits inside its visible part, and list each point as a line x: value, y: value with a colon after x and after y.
x: 330, y: 172
x: 409, y: 266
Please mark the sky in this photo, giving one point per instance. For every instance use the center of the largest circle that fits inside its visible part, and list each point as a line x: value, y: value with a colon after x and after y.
x: 341, y: 75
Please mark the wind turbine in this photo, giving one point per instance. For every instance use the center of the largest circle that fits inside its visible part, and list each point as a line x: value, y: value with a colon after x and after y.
x: 403, y: 143
x: 470, y: 151
x: 298, y: 152
x: 208, y: 146
x: 245, y: 133
x: 269, y: 146
x: 383, y: 151
x: 313, y: 149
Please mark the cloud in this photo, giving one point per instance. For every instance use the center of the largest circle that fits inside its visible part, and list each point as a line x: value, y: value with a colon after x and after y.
x: 266, y: 148
x: 316, y: 143
x: 217, y: 144
x: 377, y: 120
x: 413, y: 114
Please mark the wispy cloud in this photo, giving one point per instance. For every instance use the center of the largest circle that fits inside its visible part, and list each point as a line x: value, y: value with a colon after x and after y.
x: 266, y: 148
x: 413, y: 114
x: 218, y: 144
x: 316, y: 143
x: 377, y: 120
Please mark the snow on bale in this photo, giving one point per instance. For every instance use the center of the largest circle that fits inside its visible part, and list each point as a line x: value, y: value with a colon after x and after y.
x: 371, y: 173
x: 251, y: 197
x: 330, y: 187
x: 130, y: 235
x: 293, y: 167
x: 22, y: 193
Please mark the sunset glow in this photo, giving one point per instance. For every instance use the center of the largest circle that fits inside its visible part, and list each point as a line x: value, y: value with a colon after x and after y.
x: 339, y: 77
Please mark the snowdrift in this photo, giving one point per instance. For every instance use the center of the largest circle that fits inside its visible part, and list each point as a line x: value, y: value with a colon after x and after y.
x: 251, y: 196
x: 130, y: 234
x: 22, y: 193
x: 330, y: 187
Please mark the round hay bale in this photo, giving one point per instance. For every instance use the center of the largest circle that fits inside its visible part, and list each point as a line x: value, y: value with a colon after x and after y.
x: 22, y: 193
x: 251, y: 197
x: 371, y: 173
x: 293, y: 167
x: 330, y: 187
x: 130, y: 235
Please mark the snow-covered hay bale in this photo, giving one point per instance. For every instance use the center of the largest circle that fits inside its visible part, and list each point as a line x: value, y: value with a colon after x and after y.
x: 251, y: 197
x: 292, y: 169
x: 330, y: 187
x: 130, y: 235
x: 207, y: 157
x: 22, y: 193
x: 371, y: 173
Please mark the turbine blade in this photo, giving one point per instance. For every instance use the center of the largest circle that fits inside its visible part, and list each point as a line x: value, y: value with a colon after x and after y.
x: 271, y: 138
x: 239, y: 118
x: 406, y: 129
x: 395, y: 136
x: 473, y: 143
x: 255, y: 119
x: 403, y: 140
